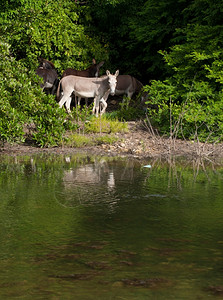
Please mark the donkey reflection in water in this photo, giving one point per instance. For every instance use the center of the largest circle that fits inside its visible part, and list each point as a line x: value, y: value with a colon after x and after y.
x: 97, y: 88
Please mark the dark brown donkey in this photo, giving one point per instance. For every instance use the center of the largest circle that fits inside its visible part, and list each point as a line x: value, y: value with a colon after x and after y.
x: 47, y: 71
x: 92, y: 71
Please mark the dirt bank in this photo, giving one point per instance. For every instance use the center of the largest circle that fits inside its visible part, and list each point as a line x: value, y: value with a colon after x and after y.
x: 137, y: 142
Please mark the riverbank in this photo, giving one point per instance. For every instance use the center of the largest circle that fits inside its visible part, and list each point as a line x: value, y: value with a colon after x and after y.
x: 137, y: 142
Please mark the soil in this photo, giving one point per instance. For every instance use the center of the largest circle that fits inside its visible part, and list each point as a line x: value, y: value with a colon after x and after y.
x: 137, y: 142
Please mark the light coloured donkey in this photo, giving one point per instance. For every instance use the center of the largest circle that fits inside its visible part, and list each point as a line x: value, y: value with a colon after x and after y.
x: 92, y: 71
x: 97, y: 88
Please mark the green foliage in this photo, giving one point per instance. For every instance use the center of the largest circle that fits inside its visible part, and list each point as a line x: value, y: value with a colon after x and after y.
x: 144, y: 28
x: 126, y: 112
x: 51, y: 30
x: 152, y: 29
x: 24, y: 105
x: 81, y: 116
x: 129, y: 109
x: 11, y: 123
x: 50, y: 122
x: 135, y: 36
x: 193, y: 95
x: 111, y: 20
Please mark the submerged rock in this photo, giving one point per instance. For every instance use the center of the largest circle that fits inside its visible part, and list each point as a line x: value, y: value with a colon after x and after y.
x: 216, y: 290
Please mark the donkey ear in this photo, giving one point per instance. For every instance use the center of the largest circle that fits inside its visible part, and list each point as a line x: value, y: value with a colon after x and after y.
x: 108, y: 73
x: 101, y: 64
x: 117, y: 73
x: 94, y: 61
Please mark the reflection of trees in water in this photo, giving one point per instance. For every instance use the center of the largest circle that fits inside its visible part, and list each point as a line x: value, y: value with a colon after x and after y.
x: 105, y: 180
x: 178, y: 171
x: 84, y: 179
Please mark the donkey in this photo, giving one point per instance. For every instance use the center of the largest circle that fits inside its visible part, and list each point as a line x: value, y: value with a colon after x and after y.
x: 47, y: 71
x: 92, y: 71
x: 46, y: 64
x: 97, y: 88
x: 127, y: 85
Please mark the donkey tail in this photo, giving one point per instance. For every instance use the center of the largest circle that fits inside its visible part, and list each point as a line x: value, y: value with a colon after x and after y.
x: 138, y: 85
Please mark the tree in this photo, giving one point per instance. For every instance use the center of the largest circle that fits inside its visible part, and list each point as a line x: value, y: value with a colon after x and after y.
x: 23, y: 105
x: 52, y: 30
x: 195, y: 88
x: 136, y: 30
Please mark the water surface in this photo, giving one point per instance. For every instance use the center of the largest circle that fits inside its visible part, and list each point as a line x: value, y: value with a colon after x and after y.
x: 82, y: 227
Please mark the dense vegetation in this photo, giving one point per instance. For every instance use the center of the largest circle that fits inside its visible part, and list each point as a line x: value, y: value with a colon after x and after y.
x: 174, y: 47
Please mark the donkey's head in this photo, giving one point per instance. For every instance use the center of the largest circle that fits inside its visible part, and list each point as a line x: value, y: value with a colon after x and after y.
x: 94, y: 68
x: 112, y: 81
x: 45, y: 64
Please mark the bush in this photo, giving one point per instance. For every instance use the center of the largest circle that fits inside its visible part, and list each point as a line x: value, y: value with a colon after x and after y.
x: 23, y: 103
x: 190, y: 102
x: 51, y: 30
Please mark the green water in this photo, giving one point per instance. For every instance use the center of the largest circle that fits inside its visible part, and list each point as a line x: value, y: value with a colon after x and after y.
x: 81, y: 227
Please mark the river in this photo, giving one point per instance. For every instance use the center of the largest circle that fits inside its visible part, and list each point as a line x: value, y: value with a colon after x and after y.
x: 96, y: 227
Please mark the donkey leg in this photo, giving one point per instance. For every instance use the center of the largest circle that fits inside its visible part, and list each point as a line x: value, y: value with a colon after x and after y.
x: 96, y: 106
x: 93, y: 110
x: 103, y: 102
x: 66, y: 98
x: 78, y: 101
x: 67, y: 104
x: 62, y: 101
x: 104, y: 105
x: 128, y: 95
x: 55, y: 86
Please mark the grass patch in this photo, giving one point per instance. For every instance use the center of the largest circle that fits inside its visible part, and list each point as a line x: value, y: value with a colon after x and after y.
x: 92, y: 133
x: 105, y: 125
x: 78, y: 140
x: 106, y: 139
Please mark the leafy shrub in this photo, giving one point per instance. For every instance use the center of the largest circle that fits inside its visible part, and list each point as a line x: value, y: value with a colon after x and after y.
x: 11, y: 123
x: 52, y: 30
x: 129, y: 109
x: 190, y: 102
x: 23, y: 103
